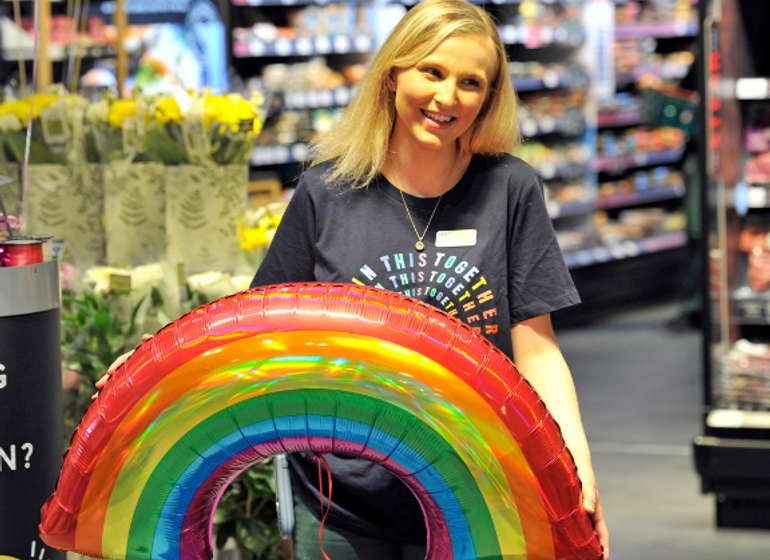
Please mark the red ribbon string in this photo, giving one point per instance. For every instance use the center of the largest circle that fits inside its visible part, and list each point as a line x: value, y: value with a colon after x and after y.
x: 321, y: 492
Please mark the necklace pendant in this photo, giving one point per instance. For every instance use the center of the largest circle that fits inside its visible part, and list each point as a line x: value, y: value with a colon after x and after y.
x: 419, y: 245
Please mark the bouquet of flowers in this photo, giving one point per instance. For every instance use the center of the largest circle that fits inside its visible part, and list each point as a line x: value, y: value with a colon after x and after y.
x: 203, y: 128
x: 57, y: 127
x: 116, y: 129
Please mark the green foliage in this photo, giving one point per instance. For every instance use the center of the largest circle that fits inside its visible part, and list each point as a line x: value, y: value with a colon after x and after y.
x: 247, y: 513
x: 164, y: 147
x: 16, y: 143
x: 93, y: 335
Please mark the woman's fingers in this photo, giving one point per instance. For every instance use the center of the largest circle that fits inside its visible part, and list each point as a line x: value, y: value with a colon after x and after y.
x: 600, y: 526
x: 116, y: 364
x: 593, y: 506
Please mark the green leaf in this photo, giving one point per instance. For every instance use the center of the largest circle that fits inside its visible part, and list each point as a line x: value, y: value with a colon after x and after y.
x: 247, y: 531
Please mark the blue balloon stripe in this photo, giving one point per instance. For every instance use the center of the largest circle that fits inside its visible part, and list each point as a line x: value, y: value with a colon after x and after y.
x: 177, y: 503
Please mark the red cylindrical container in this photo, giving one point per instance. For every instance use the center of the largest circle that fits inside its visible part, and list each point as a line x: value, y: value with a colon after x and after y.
x: 22, y: 251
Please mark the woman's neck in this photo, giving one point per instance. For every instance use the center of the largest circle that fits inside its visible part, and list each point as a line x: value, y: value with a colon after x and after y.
x: 426, y: 174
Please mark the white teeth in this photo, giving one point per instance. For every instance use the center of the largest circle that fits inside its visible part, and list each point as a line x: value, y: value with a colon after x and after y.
x: 437, y: 117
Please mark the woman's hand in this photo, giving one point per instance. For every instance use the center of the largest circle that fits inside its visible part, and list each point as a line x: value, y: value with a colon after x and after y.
x: 539, y: 359
x: 593, y: 506
x: 115, y: 365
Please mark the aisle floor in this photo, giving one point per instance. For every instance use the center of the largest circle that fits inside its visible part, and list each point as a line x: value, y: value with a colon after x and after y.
x: 639, y: 385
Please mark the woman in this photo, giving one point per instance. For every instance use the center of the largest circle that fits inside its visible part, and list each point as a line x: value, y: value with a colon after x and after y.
x: 414, y: 191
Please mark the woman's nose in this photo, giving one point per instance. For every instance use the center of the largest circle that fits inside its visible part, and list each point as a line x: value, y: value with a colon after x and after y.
x: 446, y: 93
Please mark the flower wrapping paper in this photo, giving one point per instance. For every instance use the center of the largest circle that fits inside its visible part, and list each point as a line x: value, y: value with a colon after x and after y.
x: 135, y: 213
x: 203, y: 206
x: 66, y: 201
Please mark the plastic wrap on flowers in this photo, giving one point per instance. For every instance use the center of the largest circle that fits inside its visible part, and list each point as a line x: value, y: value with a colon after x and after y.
x: 321, y: 368
x: 10, y: 187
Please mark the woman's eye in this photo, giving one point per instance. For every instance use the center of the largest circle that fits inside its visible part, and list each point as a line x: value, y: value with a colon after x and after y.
x: 472, y: 82
x: 432, y: 72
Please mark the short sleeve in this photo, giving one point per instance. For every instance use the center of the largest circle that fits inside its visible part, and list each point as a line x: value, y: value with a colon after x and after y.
x: 539, y: 281
x: 291, y: 256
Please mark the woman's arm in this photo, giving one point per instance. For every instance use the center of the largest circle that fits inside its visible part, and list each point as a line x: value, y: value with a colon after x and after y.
x: 539, y: 359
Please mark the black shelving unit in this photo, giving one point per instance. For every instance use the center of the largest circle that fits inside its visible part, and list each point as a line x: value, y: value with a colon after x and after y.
x: 732, y: 453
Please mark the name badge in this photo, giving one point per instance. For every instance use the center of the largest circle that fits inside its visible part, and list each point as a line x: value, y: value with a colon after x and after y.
x: 456, y: 238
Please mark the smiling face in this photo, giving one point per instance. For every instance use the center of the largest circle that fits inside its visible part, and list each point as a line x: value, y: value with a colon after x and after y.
x: 439, y: 98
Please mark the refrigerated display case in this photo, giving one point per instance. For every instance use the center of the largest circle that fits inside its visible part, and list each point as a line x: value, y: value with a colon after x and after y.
x: 732, y: 455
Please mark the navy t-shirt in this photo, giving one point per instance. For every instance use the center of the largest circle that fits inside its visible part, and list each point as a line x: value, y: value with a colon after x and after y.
x: 491, y: 259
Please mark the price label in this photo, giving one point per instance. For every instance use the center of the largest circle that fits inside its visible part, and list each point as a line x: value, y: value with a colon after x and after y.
x: 363, y: 43
x: 283, y: 47
x: 325, y: 98
x: 256, y: 47
x: 341, y: 44
x: 119, y: 283
x: 551, y: 79
x: 322, y: 44
x: 304, y: 46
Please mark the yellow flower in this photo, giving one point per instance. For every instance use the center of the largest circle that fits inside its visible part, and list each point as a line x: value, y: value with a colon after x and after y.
x: 251, y: 238
x: 120, y: 109
x: 167, y: 111
x: 20, y: 107
x: 228, y: 110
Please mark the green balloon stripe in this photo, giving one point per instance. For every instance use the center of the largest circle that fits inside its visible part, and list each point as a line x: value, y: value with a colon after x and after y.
x: 401, y: 424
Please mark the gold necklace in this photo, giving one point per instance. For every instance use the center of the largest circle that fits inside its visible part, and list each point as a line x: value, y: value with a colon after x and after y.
x: 419, y: 245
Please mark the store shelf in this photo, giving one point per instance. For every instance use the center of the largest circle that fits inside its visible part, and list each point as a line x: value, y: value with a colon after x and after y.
x: 312, y: 99
x: 749, y: 419
x: 619, y: 164
x: 304, y: 46
x: 624, y: 250
x: 751, y: 196
x: 626, y: 118
x: 58, y: 53
x: 536, y: 84
x: 278, y: 154
x: 664, y: 72
x: 752, y: 88
x: 539, y: 37
x: 751, y: 307
x: 556, y: 210
x: 658, y: 30
x: 640, y: 197
x: 550, y: 125
x: 322, y: 2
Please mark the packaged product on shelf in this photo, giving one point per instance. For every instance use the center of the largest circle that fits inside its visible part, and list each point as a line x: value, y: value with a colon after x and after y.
x: 758, y: 169
x: 745, y: 379
x: 757, y: 139
x: 754, y: 240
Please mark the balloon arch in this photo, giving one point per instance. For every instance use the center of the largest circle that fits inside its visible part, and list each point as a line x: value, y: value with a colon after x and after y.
x: 327, y: 368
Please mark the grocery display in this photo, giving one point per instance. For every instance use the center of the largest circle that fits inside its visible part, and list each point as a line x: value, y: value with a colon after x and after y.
x: 732, y: 454
x: 306, y: 59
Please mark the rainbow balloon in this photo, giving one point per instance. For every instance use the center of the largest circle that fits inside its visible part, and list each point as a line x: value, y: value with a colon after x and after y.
x: 322, y: 368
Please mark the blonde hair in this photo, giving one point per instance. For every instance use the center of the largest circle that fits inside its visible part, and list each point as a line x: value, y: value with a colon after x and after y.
x: 358, y: 142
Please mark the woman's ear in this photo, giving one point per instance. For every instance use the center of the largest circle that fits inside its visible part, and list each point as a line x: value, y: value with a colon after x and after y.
x: 391, y: 81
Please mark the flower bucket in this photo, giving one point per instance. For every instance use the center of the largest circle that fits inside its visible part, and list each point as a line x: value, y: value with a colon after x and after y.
x: 204, y: 204
x: 134, y: 208
x: 66, y: 201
